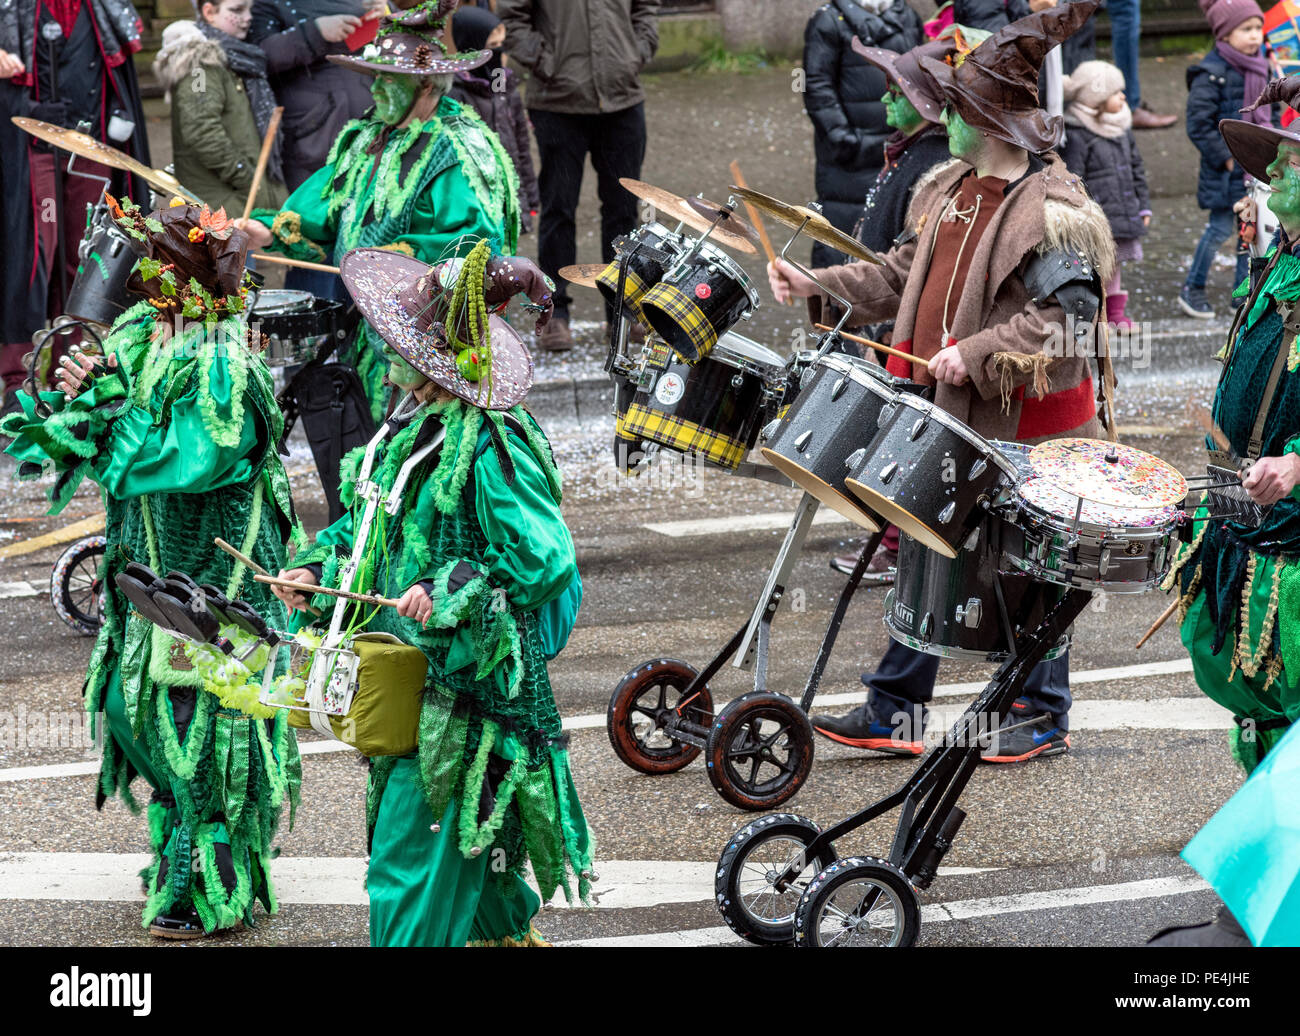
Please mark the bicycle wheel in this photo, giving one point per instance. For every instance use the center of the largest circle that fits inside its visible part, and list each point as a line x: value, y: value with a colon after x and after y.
x: 859, y: 901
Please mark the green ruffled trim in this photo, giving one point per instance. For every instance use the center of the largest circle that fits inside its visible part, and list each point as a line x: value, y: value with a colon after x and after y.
x: 472, y: 834
x: 491, y: 623
x: 183, y: 760
x: 286, y: 228
x: 487, y: 168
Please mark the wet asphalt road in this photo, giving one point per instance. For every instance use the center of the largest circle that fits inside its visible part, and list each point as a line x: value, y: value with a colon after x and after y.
x: 1102, y: 822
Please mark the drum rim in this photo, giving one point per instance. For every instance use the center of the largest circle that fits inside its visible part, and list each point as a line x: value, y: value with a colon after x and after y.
x: 277, y: 310
x: 1109, y: 586
x: 1085, y: 527
x: 708, y: 252
x: 839, y: 502
x: 851, y: 365
x: 891, y: 512
x: 722, y: 347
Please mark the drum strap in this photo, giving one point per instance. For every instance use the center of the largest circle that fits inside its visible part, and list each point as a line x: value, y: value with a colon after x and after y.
x: 1291, y: 324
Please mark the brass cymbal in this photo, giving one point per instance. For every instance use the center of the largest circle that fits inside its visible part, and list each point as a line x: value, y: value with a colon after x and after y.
x: 97, y: 151
x: 732, y: 222
x: 583, y: 274
x: 677, y: 210
x: 809, y: 222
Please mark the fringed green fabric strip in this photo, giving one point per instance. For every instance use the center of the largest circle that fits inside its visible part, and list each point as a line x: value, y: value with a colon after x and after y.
x: 577, y: 838
x: 475, y: 836
x: 443, y: 731
x: 250, y: 537
x: 183, y: 759
x: 539, y: 815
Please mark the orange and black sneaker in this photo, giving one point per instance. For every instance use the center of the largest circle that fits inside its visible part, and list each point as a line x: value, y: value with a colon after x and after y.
x: 1023, y: 736
x: 863, y: 728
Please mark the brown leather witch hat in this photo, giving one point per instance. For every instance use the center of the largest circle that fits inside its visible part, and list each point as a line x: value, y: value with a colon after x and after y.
x: 1255, y: 146
x: 905, y: 71
x: 995, y: 89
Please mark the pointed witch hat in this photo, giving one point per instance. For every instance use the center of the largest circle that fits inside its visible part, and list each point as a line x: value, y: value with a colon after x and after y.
x: 413, y: 42
x: 995, y: 87
x: 1253, y: 145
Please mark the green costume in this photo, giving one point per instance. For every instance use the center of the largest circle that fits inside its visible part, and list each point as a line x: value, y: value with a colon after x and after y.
x: 181, y: 438
x: 433, y: 191
x: 1240, y: 587
x: 489, y: 789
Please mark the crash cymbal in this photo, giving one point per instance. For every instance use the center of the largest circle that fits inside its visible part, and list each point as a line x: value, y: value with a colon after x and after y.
x: 731, y: 223
x: 678, y: 211
x: 809, y: 222
x: 98, y: 151
x: 583, y: 274
x: 1108, y: 473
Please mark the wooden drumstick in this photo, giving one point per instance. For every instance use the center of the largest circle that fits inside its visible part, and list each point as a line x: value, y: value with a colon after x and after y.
x: 313, y: 588
x: 877, y: 345
x: 1164, y: 617
x: 258, y: 570
x: 272, y: 128
x: 756, y: 218
x: 284, y: 260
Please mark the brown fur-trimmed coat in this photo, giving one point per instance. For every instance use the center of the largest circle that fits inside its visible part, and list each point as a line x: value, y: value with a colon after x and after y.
x: 1000, y: 332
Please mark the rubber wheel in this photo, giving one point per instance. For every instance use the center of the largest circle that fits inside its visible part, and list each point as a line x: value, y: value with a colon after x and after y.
x: 639, y: 708
x: 76, y: 590
x: 859, y: 901
x: 759, y: 751
x: 744, y: 886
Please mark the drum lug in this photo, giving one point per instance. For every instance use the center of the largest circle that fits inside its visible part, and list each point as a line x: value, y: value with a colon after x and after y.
x: 854, y: 459
x: 838, y: 388
x: 970, y: 613
x: 926, y: 630
x: 888, y: 472
x: 737, y: 380
x: 769, y: 430
x: 918, y: 426
x: 977, y: 469
x: 801, y: 443
x: 945, y: 516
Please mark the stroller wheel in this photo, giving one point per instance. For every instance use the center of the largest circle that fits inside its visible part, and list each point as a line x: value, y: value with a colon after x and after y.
x: 748, y: 899
x: 760, y: 750
x: 860, y: 901
x: 76, y: 590
x: 642, y: 703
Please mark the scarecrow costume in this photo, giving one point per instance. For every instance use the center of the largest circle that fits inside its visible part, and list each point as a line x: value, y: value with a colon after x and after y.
x: 452, y: 825
x: 179, y: 434
x: 429, y: 189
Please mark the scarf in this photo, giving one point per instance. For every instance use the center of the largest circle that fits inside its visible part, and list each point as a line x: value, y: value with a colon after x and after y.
x: 1254, y: 68
x: 248, y: 61
x: 117, y: 27
x: 1105, y: 124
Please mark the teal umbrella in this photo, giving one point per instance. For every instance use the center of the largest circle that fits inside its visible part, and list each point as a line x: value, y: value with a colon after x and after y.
x: 1250, y: 849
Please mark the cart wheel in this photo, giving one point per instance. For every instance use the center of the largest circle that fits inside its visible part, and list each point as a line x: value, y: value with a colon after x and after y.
x: 747, y: 898
x: 641, y: 705
x: 760, y: 750
x: 860, y: 901
x: 75, y: 588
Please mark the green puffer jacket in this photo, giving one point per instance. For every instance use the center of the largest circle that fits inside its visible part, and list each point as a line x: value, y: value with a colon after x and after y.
x: 215, y: 142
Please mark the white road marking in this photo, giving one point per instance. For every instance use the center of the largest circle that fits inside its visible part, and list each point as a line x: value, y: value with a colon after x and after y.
x: 338, y: 881
x: 959, y: 910
x: 21, y: 588
x: 740, y: 523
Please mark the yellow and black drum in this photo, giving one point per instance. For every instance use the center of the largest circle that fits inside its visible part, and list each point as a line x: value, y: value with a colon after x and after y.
x: 699, y: 301
x: 713, y: 408
x: 659, y: 252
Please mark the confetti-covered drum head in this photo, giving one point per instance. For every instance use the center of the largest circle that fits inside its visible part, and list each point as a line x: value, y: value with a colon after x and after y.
x: 1052, y: 500
x: 1107, y: 473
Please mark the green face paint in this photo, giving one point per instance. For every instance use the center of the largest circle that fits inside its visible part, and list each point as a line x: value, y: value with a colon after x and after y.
x: 963, y: 141
x: 900, y: 113
x: 1284, y: 178
x: 401, y: 373
x: 393, y: 96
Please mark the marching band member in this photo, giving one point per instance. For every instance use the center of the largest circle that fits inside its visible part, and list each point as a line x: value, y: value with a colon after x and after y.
x: 178, y: 427
x: 486, y: 574
x: 997, y: 257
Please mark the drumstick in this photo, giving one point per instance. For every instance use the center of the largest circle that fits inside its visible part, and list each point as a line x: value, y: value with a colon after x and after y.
x: 284, y: 260
x: 756, y: 218
x: 877, y: 345
x: 258, y: 570
x: 1164, y: 617
x: 272, y: 128
x: 313, y: 588
x: 1203, y: 418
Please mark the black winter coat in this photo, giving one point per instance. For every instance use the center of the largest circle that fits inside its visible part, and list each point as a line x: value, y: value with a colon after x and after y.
x: 503, y: 111
x: 318, y: 97
x: 842, y: 97
x: 1112, y: 171
x: 884, y: 213
x: 992, y: 15
x: 1214, y: 91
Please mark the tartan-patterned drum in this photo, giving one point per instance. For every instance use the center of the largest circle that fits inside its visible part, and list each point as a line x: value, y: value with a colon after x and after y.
x: 643, y: 271
x: 713, y: 408
x: 698, y: 301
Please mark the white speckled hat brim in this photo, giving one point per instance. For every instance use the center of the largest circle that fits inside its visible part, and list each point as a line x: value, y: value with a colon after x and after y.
x: 374, y: 276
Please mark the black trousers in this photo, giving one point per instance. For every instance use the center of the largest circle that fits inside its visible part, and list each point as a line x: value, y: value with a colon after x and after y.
x: 616, y: 143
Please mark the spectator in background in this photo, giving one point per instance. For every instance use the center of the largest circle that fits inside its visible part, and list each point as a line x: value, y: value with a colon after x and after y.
x: 1101, y: 149
x: 318, y: 97
x: 221, y: 107
x: 1126, y: 32
x: 1230, y: 77
x: 492, y: 91
x: 584, y: 96
x: 843, y: 96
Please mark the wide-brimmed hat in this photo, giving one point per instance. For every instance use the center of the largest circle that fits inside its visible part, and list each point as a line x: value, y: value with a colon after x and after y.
x: 413, y: 42
x: 1254, y: 146
x: 905, y: 72
x: 995, y: 87
x: 405, y: 301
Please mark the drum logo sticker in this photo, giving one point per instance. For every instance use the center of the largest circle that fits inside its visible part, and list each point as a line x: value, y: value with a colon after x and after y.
x: 703, y: 291
x: 905, y: 613
x: 670, y: 389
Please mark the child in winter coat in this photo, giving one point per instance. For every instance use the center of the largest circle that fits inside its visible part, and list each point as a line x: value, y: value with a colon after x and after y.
x: 1101, y: 149
x: 221, y: 106
x: 1226, y: 80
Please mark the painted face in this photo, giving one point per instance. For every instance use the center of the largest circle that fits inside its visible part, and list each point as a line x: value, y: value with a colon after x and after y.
x: 393, y: 96
x: 899, y: 111
x: 963, y: 140
x: 231, y: 16
x: 1284, y: 178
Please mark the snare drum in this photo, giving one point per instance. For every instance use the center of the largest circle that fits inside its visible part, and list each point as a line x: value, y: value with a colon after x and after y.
x: 296, y: 324
x: 698, y: 301
x: 824, y: 434
x: 99, y: 293
x: 930, y: 474
x: 713, y: 408
x: 643, y: 271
